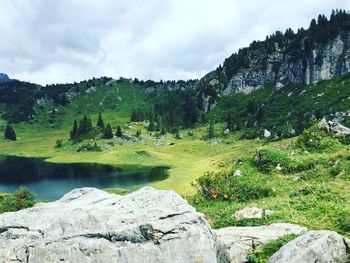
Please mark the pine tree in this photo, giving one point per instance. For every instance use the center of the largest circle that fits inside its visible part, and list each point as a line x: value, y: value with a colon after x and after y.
x: 211, y: 131
x: 238, y: 124
x: 108, y: 134
x: 88, y: 124
x: 251, y: 107
x: 229, y: 122
x: 163, y: 131
x: 159, y: 123
x: 177, y: 134
x: 259, y: 115
x: 74, y: 131
x: 81, y: 127
x: 134, y: 116
x: 10, y: 133
x: 100, y: 122
x: 119, y: 132
x: 151, y: 126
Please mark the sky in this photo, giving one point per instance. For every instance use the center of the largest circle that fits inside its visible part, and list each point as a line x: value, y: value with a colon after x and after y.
x: 60, y: 41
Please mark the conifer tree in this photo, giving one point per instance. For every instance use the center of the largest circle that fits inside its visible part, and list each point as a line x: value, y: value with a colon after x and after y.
x: 259, y: 115
x: 251, y: 107
x: 10, y: 133
x: 74, y: 131
x: 151, y: 126
x: 100, y: 122
x: 134, y: 116
x: 163, y: 131
x: 211, y: 131
x: 159, y: 123
x: 177, y: 134
x: 108, y: 134
x: 119, y: 132
x: 238, y: 124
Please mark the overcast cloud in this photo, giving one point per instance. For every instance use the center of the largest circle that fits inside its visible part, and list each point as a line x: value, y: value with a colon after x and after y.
x: 51, y: 41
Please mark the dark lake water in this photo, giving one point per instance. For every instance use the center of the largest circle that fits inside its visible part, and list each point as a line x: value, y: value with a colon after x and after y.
x: 53, y: 180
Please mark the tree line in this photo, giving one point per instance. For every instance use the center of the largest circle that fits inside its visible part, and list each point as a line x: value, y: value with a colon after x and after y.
x: 84, y: 128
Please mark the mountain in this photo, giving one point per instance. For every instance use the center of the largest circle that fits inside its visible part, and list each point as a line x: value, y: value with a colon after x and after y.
x: 282, y: 84
x: 4, y: 78
x: 318, y: 53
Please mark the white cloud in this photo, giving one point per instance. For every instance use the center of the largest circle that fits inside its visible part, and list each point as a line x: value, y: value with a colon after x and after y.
x: 70, y: 40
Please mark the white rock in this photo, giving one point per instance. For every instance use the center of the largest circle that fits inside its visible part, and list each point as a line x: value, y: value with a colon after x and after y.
x: 252, y: 213
x: 237, y: 173
x: 234, y: 243
x: 334, y: 127
x: 267, y: 134
x: 89, y: 225
x: 279, y: 167
x: 314, y: 246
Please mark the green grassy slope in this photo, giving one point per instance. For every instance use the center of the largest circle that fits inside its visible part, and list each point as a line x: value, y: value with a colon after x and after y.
x: 313, y: 191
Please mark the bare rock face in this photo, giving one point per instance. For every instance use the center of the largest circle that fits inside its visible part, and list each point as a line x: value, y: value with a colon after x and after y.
x: 89, y: 225
x: 314, y: 246
x: 234, y: 243
x: 252, y: 213
x: 321, y: 63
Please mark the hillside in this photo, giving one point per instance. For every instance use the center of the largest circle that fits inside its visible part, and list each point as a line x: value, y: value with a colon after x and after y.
x: 298, y: 58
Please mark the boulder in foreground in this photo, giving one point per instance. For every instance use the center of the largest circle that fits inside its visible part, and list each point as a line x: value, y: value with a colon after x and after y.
x: 234, y: 243
x: 314, y: 246
x: 89, y: 225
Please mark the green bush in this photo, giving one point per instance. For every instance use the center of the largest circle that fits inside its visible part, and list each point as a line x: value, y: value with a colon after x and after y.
x: 345, y: 139
x: 223, y: 186
x: 20, y: 199
x: 268, y: 159
x: 59, y: 143
x: 89, y: 148
x: 317, y: 140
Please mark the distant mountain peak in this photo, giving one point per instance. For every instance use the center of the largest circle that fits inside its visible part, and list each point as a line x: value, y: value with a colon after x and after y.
x: 4, y: 78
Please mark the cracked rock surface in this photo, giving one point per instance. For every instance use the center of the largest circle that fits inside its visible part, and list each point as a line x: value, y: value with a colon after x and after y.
x: 89, y: 225
x: 320, y: 246
x: 234, y: 243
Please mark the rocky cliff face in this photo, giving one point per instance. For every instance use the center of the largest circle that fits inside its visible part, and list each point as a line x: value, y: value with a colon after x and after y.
x: 322, y: 62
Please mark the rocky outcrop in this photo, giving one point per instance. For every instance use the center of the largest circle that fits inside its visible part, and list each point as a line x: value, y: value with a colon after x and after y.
x: 334, y: 127
x: 281, y: 67
x: 89, y: 225
x: 234, y: 243
x: 314, y: 246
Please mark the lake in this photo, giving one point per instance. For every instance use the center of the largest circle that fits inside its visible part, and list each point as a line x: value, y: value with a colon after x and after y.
x: 53, y: 180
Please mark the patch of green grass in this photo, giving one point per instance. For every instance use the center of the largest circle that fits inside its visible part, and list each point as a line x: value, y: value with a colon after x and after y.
x: 264, y: 252
x: 311, y: 191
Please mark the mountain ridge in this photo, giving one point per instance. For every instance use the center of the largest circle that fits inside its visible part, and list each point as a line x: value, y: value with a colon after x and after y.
x: 4, y: 78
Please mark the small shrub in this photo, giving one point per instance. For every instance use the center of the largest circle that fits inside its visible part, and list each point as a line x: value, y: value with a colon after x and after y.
x: 20, y: 199
x: 89, y: 148
x: 59, y: 143
x: 345, y: 139
x: 268, y: 159
x: 317, y: 140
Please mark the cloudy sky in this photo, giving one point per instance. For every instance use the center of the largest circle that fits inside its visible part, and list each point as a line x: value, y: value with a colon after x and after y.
x: 51, y: 41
